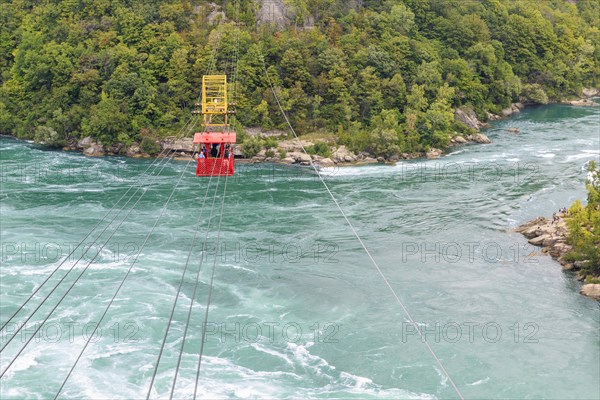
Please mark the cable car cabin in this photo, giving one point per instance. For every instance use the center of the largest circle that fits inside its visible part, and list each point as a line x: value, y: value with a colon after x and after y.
x: 215, y: 144
x: 215, y: 157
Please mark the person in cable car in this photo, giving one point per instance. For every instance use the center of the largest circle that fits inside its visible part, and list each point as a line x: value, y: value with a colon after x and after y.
x: 214, y: 151
x: 227, y: 156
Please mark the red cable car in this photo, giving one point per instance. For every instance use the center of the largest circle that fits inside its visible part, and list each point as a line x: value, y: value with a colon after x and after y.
x: 215, y: 144
x: 215, y: 157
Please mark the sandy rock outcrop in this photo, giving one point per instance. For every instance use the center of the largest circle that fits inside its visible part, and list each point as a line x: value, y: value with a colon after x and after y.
x: 185, y: 144
x: 591, y: 92
x: 343, y: 155
x: 434, y: 153
x: 591, y: 290
x: 551, y: 235
x: 479, y: 138
x: 468, y: 117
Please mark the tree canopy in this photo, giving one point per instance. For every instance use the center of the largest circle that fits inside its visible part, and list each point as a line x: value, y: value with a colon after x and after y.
x: 383, y: 75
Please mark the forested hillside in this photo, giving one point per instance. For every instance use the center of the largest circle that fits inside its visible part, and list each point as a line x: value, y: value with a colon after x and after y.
x: 382, y: 76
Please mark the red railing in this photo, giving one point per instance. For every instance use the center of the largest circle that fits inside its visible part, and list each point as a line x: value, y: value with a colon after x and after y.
x: 215, y: 166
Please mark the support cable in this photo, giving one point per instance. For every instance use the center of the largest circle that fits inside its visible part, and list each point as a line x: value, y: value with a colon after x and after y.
x: 234, y: 66
x: 212, y: 277
x: 182, y: 278
x: 92, y: 230
x: 133, y: 263
x: 62, y: 298
x: 84, y: 253
x: 127, y: 275
x: 212, y: 65
x: 355, y: 233
x: 193, y: 297
x: 77, y: 278
x: 210, y: 288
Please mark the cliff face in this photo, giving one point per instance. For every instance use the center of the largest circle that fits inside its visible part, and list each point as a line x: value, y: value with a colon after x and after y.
x: 272, y: 12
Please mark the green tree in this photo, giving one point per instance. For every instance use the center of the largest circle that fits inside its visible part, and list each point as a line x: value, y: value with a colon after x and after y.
x: 106, y: 121
x: 384, y: 134
x: 584, y: 225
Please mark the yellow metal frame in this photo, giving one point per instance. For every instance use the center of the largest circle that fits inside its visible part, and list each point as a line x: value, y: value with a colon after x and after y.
x: 214, y: 101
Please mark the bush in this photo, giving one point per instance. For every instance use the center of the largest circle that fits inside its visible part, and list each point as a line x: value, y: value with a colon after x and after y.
x: 242, y: 135
x: 270, y: 142
x: 320, y: 148
x: 534, y: 93
x: 251, y: 147
x: 584, y: 226
x: 149, y: 146
x: 48, y: 136
x: 270, y: 153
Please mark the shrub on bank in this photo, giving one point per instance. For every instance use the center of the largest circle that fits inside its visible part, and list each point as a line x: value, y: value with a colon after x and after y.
x: 584, y: 226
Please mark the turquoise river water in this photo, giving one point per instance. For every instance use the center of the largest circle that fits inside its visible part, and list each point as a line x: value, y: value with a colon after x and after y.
x: 297, y: 308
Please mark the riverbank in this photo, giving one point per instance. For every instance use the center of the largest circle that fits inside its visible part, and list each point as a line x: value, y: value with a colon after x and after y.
x: 552, y: 236
x: 291, y: 151
x: 288, y: 151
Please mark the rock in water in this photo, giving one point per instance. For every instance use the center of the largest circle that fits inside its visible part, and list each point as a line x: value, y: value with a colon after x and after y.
x: 434, y: 153
x: 591, y: 290
x: 583, y: 102
x: 300, y: 157
x: 479, y: 138
x: 134, y: 151
x: 537, y: 241
x: 342, y: 154
x: 326, y: 162
x: 95, y: 150
x: 85, y: 142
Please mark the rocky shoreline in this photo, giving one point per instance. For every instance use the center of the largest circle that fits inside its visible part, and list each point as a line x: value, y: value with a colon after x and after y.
x: 551, y: 235
x: 291, y: 151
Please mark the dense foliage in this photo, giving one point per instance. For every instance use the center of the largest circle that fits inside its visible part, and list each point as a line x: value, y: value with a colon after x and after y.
x: 584, y: 226
x: 382, y: 75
